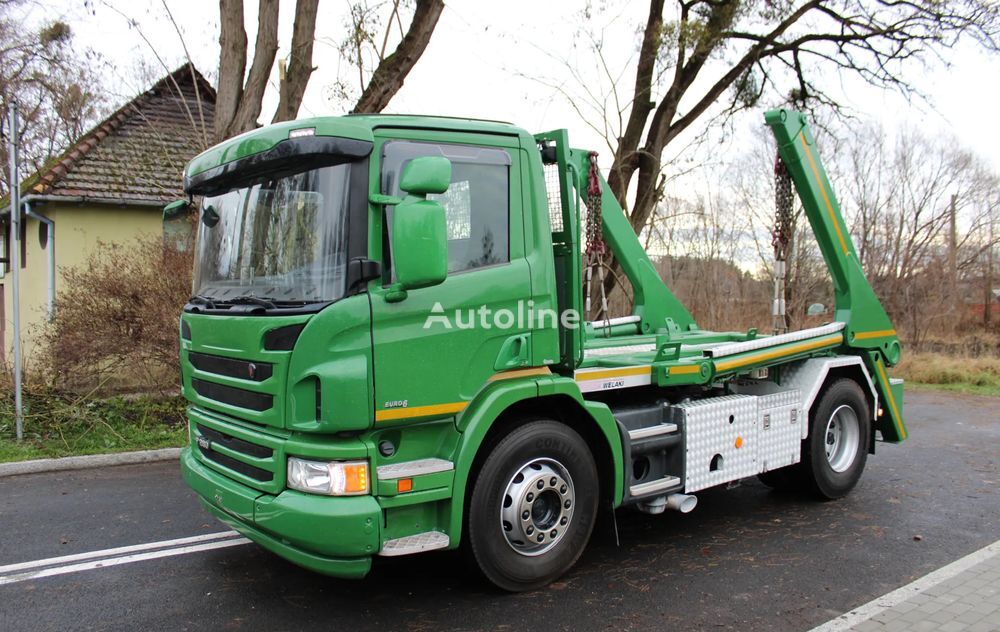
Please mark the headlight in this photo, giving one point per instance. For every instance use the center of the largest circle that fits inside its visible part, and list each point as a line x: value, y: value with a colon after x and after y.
x: 332, y: 478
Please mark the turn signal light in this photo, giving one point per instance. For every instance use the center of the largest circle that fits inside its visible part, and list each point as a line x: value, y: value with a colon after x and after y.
x: 404, y: 485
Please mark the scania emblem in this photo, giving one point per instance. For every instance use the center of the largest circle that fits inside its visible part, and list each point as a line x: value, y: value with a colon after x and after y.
x: 204, y: 443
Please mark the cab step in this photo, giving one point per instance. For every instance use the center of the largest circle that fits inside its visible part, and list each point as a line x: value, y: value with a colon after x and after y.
x: 657, y: 487
x: 652, y: 431
x: 416, y: 543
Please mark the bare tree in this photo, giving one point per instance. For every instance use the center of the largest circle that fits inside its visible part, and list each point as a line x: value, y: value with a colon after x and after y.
x: 295, y: 76
x: 701, y: 57
x: 366, y: 49
x: 54, y: 84
x: 380, y: 73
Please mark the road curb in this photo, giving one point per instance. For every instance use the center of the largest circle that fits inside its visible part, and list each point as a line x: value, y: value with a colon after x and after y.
x: 86, y: 462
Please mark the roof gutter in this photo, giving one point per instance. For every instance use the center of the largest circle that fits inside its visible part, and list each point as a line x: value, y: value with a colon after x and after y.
x: 83, y: 199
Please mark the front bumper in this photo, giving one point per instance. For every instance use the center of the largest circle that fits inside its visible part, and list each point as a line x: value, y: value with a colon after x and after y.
x: 333, y: 536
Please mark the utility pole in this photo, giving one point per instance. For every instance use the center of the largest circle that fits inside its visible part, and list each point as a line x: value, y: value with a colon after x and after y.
x: 15, y: 259
x: 988, y: 302
x: 953, y: 254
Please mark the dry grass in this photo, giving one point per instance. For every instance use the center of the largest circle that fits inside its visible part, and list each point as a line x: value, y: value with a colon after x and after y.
x: 968, y: 374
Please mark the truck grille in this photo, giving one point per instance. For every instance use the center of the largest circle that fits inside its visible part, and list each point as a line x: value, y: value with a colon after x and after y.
x: 245, y: 454
x: 231, y: 367
x: 245, y: 469
x: 232, y: 395
x: 234, y: 443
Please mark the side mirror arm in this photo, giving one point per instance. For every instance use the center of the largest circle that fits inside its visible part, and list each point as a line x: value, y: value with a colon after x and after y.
x: 387, y: 200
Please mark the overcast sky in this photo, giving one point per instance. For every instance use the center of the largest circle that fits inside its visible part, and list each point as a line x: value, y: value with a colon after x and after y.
x: 485, y: 59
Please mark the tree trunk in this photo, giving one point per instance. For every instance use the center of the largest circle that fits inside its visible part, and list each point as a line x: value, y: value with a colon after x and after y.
x: 626, y: 159
x: 232, y: 64
x: 392, y: 71
x: 265, y: 48
x: 300, y: 68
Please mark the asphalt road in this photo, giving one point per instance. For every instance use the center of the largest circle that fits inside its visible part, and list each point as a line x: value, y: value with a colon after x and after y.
x: 746, y: 558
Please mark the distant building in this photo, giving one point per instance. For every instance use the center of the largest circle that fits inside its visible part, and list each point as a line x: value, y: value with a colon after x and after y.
x: 110, y: 185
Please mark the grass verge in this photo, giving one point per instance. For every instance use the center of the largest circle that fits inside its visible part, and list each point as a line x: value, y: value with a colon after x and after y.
x: 978, y: 376
x: 57, y: 425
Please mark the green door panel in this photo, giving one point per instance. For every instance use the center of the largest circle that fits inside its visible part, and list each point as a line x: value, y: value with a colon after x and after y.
x: 459, y: 326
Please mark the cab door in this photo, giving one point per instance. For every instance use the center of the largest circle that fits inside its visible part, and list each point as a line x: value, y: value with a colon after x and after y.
x: 437, y: 347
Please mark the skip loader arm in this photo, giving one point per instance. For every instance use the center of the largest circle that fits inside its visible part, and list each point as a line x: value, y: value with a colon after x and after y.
x: 655, y: 305
x: 868, y: 332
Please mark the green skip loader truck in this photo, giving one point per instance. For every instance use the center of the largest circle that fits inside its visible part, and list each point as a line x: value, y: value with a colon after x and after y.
x: 388, y: 350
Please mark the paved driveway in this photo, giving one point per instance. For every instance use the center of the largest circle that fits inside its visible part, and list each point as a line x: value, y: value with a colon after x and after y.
x: 746, y: 558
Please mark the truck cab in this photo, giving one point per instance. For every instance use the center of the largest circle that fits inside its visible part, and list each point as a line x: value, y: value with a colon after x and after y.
x: 386, y: 352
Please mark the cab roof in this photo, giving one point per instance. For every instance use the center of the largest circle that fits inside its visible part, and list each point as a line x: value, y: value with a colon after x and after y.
x: 352, y: 126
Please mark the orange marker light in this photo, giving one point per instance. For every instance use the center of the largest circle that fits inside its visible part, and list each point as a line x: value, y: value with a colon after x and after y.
x: 355, y: 478
x: 739, y: 442
x: 404, y: 485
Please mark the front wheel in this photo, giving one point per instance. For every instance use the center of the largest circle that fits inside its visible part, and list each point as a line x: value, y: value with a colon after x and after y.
x: 533, y: 506
x: 834, y: 455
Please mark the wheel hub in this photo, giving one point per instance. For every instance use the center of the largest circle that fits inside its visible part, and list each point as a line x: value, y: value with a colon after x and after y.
x: 842, y: 438
x: 537, y: 506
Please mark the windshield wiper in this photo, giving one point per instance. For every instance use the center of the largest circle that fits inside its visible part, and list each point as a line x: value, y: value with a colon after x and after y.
x: 203, y: 301
x: 249, y: 299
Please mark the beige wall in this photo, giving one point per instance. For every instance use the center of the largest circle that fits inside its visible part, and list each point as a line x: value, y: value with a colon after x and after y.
x: 78, y: 228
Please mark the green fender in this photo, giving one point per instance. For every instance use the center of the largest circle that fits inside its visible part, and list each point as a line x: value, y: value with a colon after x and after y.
x: 476, y: 420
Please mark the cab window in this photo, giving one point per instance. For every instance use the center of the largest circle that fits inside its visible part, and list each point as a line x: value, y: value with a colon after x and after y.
x: 476, y: 204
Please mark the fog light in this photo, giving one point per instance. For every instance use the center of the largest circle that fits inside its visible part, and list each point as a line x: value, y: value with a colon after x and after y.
x: 332, y: 478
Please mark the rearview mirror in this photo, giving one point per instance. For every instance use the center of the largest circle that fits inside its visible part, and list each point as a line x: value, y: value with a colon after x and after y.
x: 430, y: 174
x: 419, y: 234
x: 175, y: 209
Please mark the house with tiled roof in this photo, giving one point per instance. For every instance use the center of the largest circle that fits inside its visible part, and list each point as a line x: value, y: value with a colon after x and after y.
x: 109, y: 187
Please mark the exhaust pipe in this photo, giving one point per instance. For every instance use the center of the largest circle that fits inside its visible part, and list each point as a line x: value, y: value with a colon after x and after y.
x: 683, y: 503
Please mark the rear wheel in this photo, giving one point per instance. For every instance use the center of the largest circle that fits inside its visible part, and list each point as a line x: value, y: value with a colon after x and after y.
x: 533, y: 506
x: 834, y: 455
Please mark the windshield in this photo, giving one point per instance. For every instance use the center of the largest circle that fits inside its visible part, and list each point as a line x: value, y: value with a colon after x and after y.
x: 281, y: 240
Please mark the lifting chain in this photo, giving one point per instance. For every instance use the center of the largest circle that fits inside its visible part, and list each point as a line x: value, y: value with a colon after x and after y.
x: 781, y: 240
x: 596, y: 248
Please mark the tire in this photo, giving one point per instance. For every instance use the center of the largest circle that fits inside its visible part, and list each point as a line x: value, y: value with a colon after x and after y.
x: 541, y: 452
x: 834, y: 455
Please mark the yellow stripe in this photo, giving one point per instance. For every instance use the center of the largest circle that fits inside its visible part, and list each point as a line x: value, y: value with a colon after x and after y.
x: 509, y: 375
x: 822, y: 191
x: 865, y: 335
x: 896, y: 418
x: 454, y: 407
x: 602, y: 375
x: 778, y: 353
x: 420, y: 411
x: 685, y: 369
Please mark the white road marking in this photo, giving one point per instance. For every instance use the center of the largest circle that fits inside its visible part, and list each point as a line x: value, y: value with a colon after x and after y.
x: 889, y: 600
x: 52, y: 561
x: 14, y: 573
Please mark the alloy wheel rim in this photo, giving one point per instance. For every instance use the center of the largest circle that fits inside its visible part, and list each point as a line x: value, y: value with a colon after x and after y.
x: 537, y: 507
x: 842, y: 438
